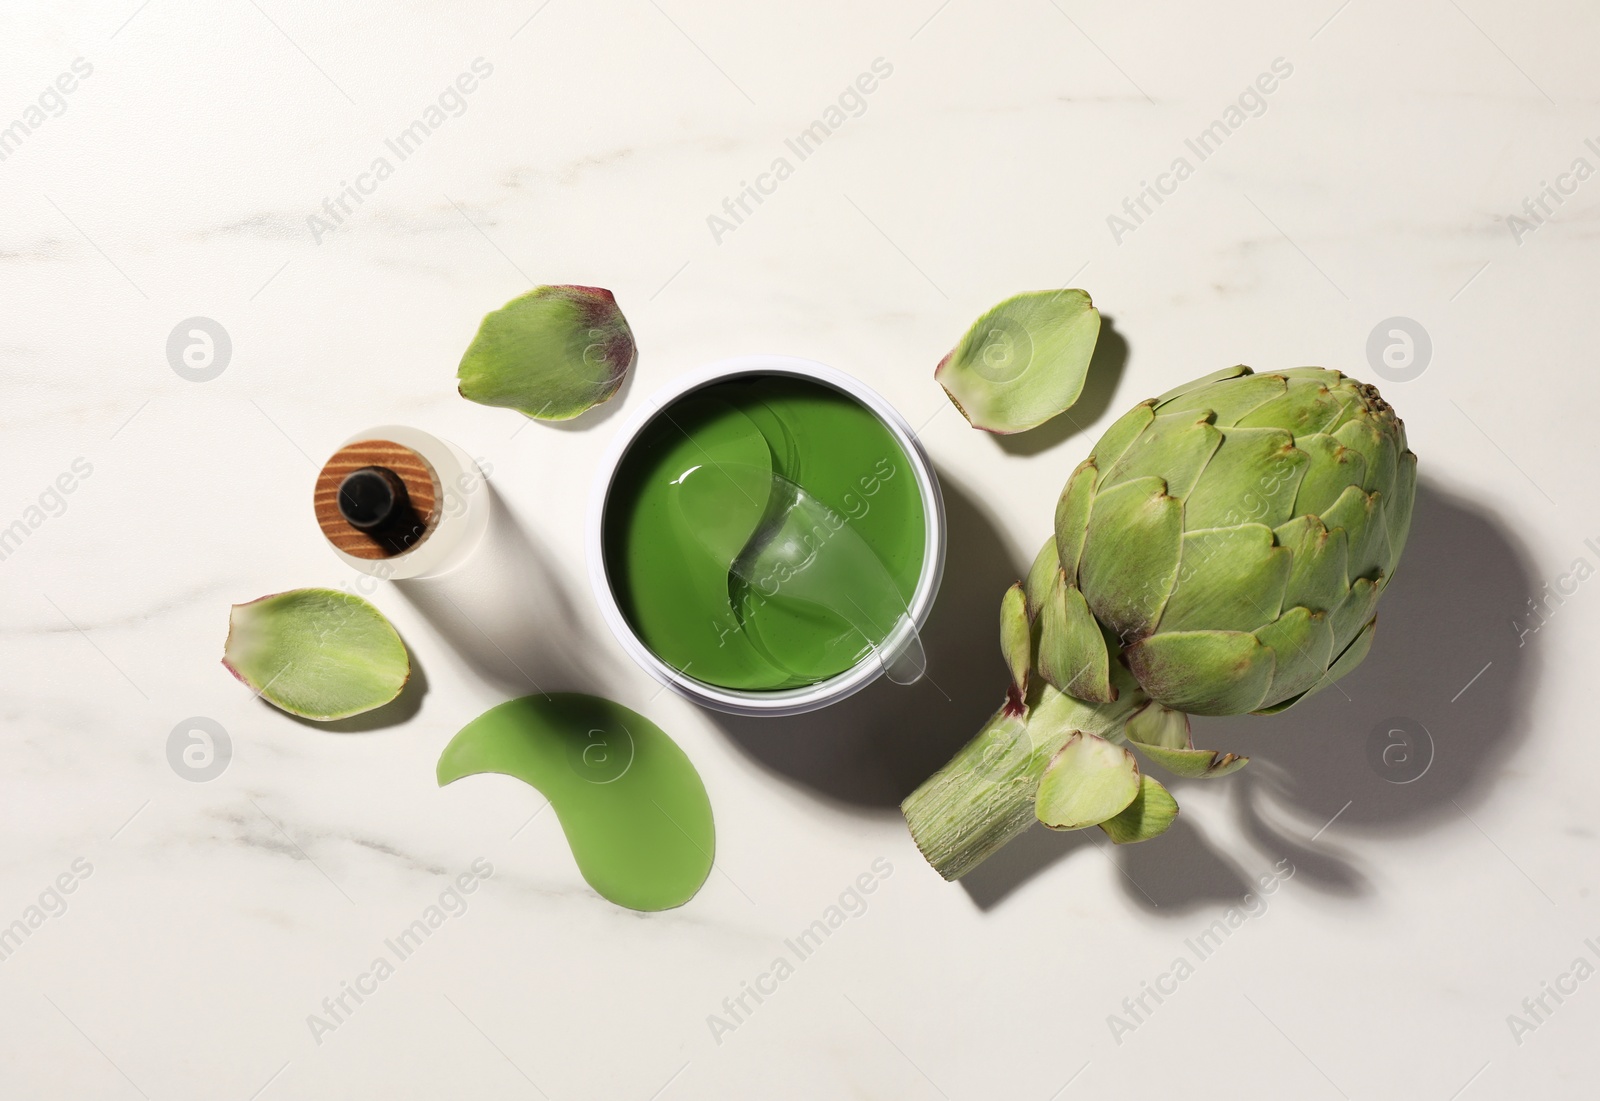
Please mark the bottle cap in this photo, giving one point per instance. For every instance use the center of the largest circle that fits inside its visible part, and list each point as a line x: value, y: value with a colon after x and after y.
x: 377, y: 499
x: 371, y: 497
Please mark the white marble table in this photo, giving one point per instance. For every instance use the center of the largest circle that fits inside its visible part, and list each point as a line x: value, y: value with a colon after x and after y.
x: 194, y: 170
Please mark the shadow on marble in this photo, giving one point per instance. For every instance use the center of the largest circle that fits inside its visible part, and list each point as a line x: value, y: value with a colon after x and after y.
x: 398, y: 710
x: 874, y: 748
x: 1099, y: 388
x: 1026, y: 856
x: 1175, y: 874
x: 508, y: 611
x: 1447, y: 656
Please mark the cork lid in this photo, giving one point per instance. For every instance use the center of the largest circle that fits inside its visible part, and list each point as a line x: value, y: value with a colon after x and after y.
x: 377, y: 499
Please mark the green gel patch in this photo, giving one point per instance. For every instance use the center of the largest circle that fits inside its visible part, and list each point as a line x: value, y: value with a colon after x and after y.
x: 631, y: 804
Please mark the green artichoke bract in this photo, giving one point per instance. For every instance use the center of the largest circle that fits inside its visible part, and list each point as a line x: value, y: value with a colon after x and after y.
x: 1222, y: 551
x: 316, y: 653
x: 551, y: 354
x: 1023, y: 362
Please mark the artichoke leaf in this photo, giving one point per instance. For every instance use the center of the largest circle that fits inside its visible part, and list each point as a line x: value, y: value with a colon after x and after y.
x: 550, y: 354
x: 316, y: 653
x: 1302, y: 646
x: 1176, y: 449
x: 1023, y: 362
x: 1397, y: 510
x: 1163, y: 735
x: 1072, y: 516
x: 1227, y: 404
x: 1016, y: 638
x: 1203, y: 672
x: 1353, y: 616
x: 1130, y: 555
x: 1319, y: 577
x: 1253, y: 477
x: 1041, y: 576
x: 1088, y: 781
x: 1283, y: 705
x: 1229, y: 579
x: 1352, y: 656
x: 1204, y: 380
x: 1072, y: 651
x: 1123, y: 431
x: 1358, y: 513
x: 1333, y: 469
x: 1380, y: 451
x: 1307, y: 406
x: 1155, y: 724
x: 1194, y: 764
x: 1150, y: 814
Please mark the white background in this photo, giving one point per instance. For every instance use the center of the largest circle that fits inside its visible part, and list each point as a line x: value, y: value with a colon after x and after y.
x: 1377, y: 183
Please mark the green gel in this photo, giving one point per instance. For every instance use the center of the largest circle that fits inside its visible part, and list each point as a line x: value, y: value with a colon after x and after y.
x: 629, y: 800
x: 673, y: 558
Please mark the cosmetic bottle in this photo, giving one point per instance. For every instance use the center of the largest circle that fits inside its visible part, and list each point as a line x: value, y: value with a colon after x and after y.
x: 395, y: 502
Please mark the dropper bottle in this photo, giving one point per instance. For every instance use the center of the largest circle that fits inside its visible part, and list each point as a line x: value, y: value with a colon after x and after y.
x: 396, y: 502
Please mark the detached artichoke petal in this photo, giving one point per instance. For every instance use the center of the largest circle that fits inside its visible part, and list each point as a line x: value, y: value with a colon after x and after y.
x: 1150, y: 814
x: 1023, y: 362
x: 316, y: 653
x: 1088, y: 781
x: 551, y: 354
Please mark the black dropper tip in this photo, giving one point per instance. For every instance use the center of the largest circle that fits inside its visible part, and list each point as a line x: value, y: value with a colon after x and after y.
x: 372, y: 497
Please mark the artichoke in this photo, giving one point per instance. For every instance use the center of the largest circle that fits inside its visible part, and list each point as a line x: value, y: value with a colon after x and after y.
x: 1222, y: 551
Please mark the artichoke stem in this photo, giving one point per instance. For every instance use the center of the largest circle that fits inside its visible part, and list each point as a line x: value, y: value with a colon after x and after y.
x: 985, y: 796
